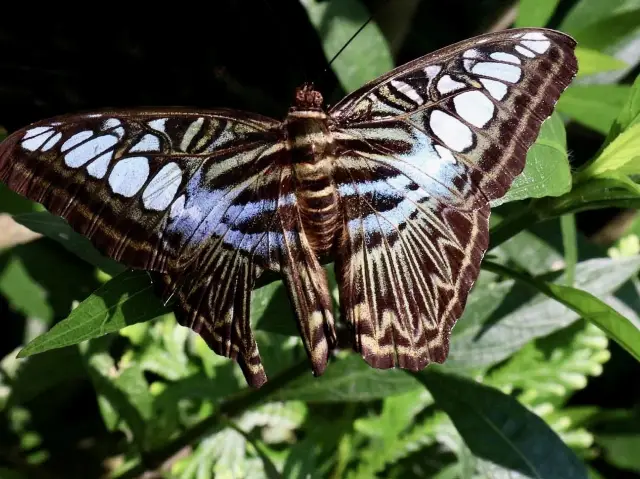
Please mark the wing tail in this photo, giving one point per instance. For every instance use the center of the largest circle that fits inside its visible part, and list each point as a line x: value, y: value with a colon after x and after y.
x: 215, y: 303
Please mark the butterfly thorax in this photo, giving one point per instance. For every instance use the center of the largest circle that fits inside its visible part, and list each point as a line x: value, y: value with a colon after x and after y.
x: 311, y: 147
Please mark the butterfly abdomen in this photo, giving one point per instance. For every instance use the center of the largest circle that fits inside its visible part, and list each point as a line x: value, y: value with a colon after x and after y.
x: 311, y: 146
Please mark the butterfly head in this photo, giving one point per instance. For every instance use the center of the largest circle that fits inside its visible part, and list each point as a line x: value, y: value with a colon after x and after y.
x: 308, y: 98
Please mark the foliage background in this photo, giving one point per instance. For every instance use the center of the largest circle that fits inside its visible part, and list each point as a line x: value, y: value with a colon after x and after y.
x: 542, y: 380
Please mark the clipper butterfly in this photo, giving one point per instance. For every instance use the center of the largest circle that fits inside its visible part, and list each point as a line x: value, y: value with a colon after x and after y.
x: 393, y: 184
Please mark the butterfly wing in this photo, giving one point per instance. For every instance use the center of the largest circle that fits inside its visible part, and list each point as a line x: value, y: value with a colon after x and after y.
x: 421, y: 153
x: 205, y: 199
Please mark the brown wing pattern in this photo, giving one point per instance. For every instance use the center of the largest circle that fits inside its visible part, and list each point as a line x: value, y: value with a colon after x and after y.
x: 423, y: 150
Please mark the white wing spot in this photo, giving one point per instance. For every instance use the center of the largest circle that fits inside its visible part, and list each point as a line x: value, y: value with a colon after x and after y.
x: 161, y: 190
x: 525, y: 52
x: 111, y: 123
x: 38, y: 130
x: 471, y: 53
x: 158, y: 124
x: 98, y: 168
x: 501, y: 71
x: 146, y: 143
x: 35, y: 142
x: 432, y: 70
x: 537, y: 46
x: 505, y: 57
x: 129, y: 175
x: 75, y: 139
x: 496, y: 89
x: 446, y: 84
x: 534, y: 36
x: 80, y: 155
x: 52, y: 142
x: 474, y: 107
x: 445, y: 154
x: 177, y: 207
x: 407, y: 90
x: 455, y: 134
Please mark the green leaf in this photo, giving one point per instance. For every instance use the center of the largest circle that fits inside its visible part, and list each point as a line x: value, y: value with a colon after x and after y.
x: 617, y: 327
x: 547, y: 171
x: 609, y: 30
x: 594, y: 106
x: 58, y: 229
x: 535, y: 13
x: 588, y: 12
x: 594, y: 194
x: 497, y: 428
x: 122, y: 301
x: 621, y: 156
x: 366, y: 57
x: 630, y: 112
x: 618, y: 435
x: 14, y: 203
x: 513, y: 314
x: 349, y: 379
x: 591, y: 62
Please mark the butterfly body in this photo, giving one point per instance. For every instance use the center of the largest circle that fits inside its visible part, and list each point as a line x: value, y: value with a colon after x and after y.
x: 312, y: 150
x: 393, y: 184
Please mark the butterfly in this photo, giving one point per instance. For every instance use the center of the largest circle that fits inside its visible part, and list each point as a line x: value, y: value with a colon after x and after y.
x: 393, y: 183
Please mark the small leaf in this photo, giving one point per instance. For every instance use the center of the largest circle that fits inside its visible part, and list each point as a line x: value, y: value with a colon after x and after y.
x: 591, y: 62
x: 348, y: 380
x: 119, y: 303
x: 594, y: 106
x: 497, y: 428
x: 547, y: 171
x: 535, y: 13
x: 366, y: 57
x: 621, y: 156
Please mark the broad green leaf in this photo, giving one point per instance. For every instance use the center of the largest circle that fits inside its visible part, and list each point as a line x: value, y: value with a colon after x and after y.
x: 595, y: 106
x: 609, y: 30
x: 366, y: 57
x: 535, y: 13
x: 617, y: 327
x: 58, y: 229
x: 348, y: 380
x: 497, y: 428
x: 587, y: 12
x: 123, y: 301
x: 591, y: 62
x: 517, y: 314
x: 547, y: 171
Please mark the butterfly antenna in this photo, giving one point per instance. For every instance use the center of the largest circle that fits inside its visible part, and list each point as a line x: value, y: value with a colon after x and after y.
x: 348, y: 42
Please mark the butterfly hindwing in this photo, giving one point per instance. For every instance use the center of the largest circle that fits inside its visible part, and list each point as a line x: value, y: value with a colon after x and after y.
x: 422, y: 152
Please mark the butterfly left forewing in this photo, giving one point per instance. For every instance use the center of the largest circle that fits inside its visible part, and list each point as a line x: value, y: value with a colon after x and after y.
x: 423, y: 151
